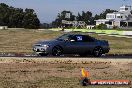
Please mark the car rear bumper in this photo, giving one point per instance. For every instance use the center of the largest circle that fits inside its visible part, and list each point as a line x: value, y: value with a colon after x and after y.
x: 106, y: 50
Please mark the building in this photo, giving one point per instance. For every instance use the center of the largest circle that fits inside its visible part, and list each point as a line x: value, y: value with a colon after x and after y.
x: 122, y: 18
x: 3, y: 27
x: 90, y: 26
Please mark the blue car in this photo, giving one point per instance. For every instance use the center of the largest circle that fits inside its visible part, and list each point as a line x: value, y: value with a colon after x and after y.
x: 72, y: 44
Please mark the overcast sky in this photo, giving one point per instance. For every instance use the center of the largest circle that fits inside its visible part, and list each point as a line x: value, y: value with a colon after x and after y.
x: 47, y: 9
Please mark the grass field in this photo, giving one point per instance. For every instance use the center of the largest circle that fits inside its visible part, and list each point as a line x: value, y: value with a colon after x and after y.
x: 60, y: 73
x: 21, y: 41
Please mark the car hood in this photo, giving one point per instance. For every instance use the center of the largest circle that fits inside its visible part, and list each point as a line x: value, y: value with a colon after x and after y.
x: 46, y: 42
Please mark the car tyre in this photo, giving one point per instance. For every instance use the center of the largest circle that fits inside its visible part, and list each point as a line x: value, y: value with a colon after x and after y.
x: 98, y: 51
x: 57, y: 51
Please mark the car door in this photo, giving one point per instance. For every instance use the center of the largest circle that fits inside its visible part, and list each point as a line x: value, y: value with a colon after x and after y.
x: 88, y: 44
x: 73, y: 45
x: 82, y: 44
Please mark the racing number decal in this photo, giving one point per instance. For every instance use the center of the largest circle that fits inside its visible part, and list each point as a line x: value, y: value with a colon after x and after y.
x: 79, y: 38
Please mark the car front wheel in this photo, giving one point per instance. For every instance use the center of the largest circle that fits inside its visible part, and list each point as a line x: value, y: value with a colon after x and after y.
x: 57, y: 51
x: 98, y: 51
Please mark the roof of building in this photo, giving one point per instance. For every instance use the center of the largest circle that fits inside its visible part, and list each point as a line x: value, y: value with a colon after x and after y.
x: 105, y: 20
x: 102, y: 20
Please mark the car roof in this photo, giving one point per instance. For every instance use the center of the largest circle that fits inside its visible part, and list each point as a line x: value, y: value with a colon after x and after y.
x: 76, y: 34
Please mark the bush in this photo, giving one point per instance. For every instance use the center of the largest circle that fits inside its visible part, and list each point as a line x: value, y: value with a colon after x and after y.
x: 115, y: 27
x: 101, y: 26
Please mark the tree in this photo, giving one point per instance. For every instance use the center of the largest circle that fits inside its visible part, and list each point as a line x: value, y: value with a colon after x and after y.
x: 86, y: 17
x: 45, y: 25
x: 62, y: 16
x: 4, y: 14
x: 16, y: 17
x: 101, y: 26
x: 30, y: 19
x: 79, y: 17
x: 103, y: 14
x: 96, y: 17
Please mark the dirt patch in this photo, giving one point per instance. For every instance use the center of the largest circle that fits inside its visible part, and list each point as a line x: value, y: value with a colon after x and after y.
x: 60, y: 73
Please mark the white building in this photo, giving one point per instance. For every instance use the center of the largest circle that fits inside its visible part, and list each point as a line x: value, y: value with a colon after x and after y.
x: 3, y: 27
x: 90, y: 26
x: 122, y: 18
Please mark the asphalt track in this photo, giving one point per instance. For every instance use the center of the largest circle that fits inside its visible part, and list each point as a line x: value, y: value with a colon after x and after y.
x: 107, y: 56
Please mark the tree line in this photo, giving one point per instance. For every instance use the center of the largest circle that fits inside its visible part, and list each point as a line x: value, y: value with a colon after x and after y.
x: 18, y: 17
x: 27, y: 18
x: 85, y: 16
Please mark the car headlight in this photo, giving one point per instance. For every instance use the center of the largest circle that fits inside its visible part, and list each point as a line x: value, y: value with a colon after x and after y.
x: 46, y: 46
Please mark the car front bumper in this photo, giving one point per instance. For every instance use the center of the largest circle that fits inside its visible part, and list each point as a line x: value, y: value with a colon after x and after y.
x: 41, y: 50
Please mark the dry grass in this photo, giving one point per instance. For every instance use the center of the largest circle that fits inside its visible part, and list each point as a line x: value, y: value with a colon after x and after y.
x: 60, y: 73
x: 21, y: 41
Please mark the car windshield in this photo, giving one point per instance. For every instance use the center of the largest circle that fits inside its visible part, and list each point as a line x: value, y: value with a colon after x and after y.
x: 63, y: 37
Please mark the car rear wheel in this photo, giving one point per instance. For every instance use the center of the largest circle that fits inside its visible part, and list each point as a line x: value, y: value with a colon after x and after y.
x: 57, y: 51
x: 98, y: 51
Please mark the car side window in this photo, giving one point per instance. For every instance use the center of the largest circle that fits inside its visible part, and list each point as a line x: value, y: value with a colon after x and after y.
x: 77, y: 38
x: 81, y: 38
x: 88, y: 39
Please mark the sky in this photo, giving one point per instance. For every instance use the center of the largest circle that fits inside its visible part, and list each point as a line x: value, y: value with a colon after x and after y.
x: 47, y: 10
